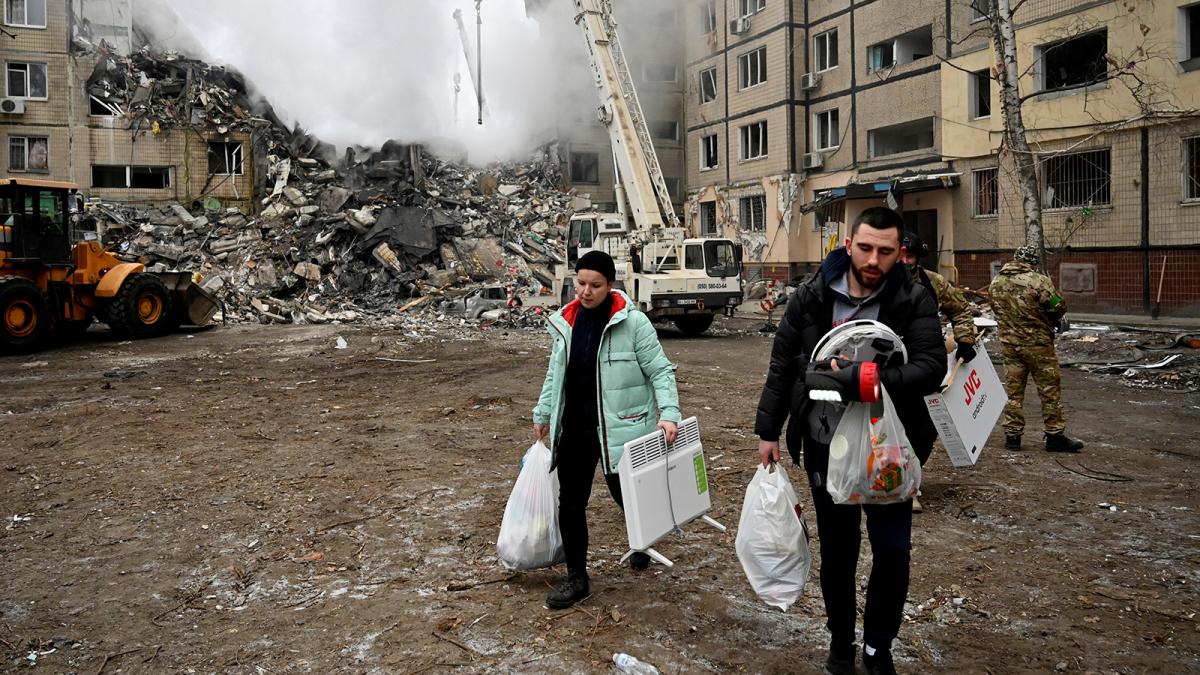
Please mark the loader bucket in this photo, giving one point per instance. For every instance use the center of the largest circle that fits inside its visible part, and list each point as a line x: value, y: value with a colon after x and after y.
x: 195, y: 306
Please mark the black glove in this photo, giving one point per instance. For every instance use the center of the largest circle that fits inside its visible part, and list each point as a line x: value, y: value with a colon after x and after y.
x: 965, y: 352
x: 851, y: 382
x: 1062, y: 326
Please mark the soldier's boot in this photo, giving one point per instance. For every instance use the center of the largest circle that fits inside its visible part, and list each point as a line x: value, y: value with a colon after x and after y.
x: 1062, y: 443
x: 1012, y: 441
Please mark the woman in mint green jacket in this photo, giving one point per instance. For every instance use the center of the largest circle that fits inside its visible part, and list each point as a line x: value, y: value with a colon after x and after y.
x: 608, y: 383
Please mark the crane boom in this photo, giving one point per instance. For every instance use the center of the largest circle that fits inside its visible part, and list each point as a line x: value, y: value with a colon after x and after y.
x: 639, y: 171
x: 472, y: 62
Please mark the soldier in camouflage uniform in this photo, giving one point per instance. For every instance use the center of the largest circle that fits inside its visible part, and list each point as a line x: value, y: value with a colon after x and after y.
x: 951, y: 301
x: 1029, y: 310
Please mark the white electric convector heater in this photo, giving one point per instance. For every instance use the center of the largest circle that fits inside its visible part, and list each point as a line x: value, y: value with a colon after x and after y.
x: 664, y: 487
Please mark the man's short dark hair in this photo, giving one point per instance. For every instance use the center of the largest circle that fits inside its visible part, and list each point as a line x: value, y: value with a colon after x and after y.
x: 880, y: 218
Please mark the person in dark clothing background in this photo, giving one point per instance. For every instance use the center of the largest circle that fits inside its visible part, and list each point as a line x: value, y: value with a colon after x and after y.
x: 860, y: 281
x: 599, y: 338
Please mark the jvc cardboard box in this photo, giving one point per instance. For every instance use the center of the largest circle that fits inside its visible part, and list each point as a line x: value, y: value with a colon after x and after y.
x: 968, y: 408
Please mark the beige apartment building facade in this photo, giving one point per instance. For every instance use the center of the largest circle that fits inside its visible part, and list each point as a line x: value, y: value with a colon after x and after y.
x: 52, y: 128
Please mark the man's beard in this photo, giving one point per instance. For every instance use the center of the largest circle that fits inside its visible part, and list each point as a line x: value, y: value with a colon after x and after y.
x: 862, y: 281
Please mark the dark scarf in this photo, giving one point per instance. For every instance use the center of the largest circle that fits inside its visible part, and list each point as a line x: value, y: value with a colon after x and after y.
x: 581, y: 412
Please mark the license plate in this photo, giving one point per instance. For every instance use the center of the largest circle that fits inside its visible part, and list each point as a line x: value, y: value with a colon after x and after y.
x: 685, y: 302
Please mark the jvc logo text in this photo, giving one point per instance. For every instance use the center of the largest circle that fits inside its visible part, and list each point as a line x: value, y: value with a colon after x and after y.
x: 972, y: 386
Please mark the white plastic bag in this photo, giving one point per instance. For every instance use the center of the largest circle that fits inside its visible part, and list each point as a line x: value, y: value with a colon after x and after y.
x: 870, y: 458
x: 772, y: 543
x: 529, y: 534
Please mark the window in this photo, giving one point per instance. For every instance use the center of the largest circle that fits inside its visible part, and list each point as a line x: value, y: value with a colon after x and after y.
x: 225, y: 159
x: 752, y: 212
x: 1189, y: 32
x: 825, y: 47
x: 708, y: 219
x: 659, y: 72
x: 752, y: 68
x: 708, y: 152
x: 27, y: 13
x: 980, y: 90
x: 751, y: 7
x: 1191, y: 168
x: 99, y: 108
x: 28, y: 153
x: 709, y: 17
x: 693, y: 257
x: 585, y: 167
x: 754, y: 140
x: 827, y: 133
x: 1077, y: 62
x: 981, y: 9
x: 665, y: 130
x: 912, y: 46
x: 1078, y: 179
x: 135, y: 177
x: 27, y: 80
x: 983, y: 186
x: 906, y: 137
x: 708, y: 85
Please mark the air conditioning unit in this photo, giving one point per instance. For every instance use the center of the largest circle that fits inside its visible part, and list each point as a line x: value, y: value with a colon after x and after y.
x: 740, y: 25
x: 810, y: 81
x: 12, y: 106
x: 814, y: 160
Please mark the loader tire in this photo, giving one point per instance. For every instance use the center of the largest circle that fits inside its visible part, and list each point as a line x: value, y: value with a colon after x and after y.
x: 24, y: 317
x: 693, y: 324
x: 142, y: 307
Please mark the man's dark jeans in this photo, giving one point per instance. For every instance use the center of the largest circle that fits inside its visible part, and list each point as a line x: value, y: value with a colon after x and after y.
x: 889, y: 529
x: 578, y: 454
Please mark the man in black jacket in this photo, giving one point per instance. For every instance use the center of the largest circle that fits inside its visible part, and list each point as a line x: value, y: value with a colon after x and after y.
x: 861, y: 281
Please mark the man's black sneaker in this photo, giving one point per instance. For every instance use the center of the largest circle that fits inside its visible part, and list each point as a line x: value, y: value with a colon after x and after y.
x: 1062, y: 443
x: 880, y: 664
x: 1012, y: 441
x: 639, y: 561
x: 840, y: 661
x: 569, y: 592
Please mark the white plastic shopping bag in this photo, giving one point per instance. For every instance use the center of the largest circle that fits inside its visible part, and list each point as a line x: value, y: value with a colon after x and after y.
x: 529, y: 534
x: 870, y: 458
x: 772, y: 543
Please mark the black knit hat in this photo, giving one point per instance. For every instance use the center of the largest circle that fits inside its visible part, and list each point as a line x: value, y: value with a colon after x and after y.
x: 598, y: 261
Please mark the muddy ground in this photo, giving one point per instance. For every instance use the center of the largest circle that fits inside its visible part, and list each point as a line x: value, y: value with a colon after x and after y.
x: 254, y: 500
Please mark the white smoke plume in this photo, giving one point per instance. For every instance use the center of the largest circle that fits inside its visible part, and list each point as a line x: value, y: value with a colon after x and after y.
x: 362, y: 72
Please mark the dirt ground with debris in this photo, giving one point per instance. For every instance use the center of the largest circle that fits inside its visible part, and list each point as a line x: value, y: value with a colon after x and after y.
x: 253, y: 499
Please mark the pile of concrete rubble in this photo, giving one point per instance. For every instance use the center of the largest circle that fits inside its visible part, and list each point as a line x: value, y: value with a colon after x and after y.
x: 337, y: 238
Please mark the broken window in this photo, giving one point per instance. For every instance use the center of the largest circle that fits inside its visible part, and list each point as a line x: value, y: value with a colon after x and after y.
x: 693, y: 257
x: 1189, y: 32
x: 27, y: 13
x: 980, y: 91
x: 906, y: 137
x: 752, y: 212
x: 660, y: 72
x: 708, y: 85
x: 981, y: 9
x: 708, y: 219
x: 585, y: 167
x: 1077, y: 62
x: 99, y: 108
x: 665, y: 130
x: 1191, y: 168
x: 225, y: 159
x: 28, y: 153
x: 827, y: 132
x: 708, y: 152
x: 27, y: 80
x: 752, y: 7
x: 135, y: 177
x: 1078, y: 179
x: 912, y: 46
x: 825, y: 46
x: 983, y: 185
x: 754, y: 140
x: 709, y: 17
x: 752, y: 68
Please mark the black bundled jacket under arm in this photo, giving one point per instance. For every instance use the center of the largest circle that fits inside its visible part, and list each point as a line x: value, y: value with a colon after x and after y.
x: 906, y: 308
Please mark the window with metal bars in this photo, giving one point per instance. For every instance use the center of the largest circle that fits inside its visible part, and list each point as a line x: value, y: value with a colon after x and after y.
x: 29, y: 153
x: 752, y: 212
x: 1078, y: 179
x: 708, y: 219
x: 983, y: 183
x: 1191, y: 168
